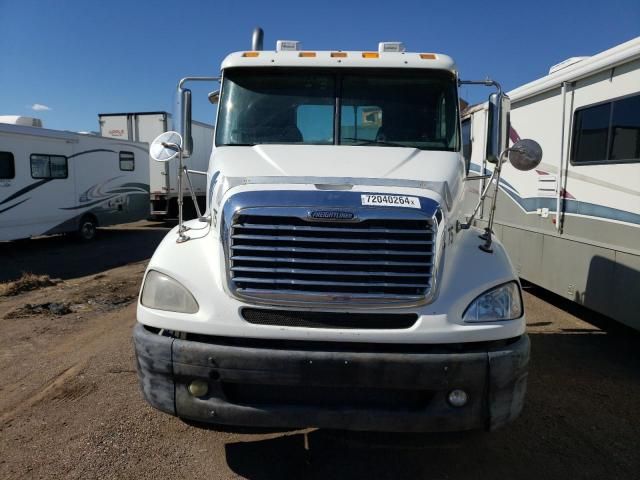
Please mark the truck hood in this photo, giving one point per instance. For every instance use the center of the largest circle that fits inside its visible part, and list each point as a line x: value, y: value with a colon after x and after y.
x: 320, y: 161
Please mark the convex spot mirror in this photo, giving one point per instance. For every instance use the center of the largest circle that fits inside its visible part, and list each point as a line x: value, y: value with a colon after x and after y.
x: 166, y: 146
x: 526, y: 154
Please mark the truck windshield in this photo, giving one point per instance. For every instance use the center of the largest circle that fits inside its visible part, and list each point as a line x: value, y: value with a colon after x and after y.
x: 406, y: 108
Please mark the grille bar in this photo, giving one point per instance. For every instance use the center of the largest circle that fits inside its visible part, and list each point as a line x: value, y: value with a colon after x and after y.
x: 276, y: 257
x: 362, y: 251
x: 305, y: 228
x: 278, y: 238
x: 279, y: 281
x: 284, y: 293
x: 304, y: 271
x: 240, y: 258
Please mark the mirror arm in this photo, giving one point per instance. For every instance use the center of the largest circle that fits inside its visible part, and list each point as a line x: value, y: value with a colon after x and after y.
x: 187, y: 146
x: 195, y: 79
x: 494, y: 174
x: 193, y: 195
x: 486, y: 82
x: 197, y: 172
x: 469, y: 222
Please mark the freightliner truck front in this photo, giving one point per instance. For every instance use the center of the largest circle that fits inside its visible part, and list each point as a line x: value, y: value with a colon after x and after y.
x: 335, y: 280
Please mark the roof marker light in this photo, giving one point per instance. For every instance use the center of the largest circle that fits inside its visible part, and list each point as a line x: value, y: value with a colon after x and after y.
x: 396, y: 47
x: 339, y: 54
x: 307, y: 54
x: 428, y: 56
x: 250, y: 54
x: 370, y: 55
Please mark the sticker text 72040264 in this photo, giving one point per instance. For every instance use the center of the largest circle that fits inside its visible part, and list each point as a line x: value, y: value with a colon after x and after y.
x: 381, y: 200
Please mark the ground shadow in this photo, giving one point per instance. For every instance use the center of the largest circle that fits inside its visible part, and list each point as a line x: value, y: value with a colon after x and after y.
x: 581, y: 418
x: 61, y: 256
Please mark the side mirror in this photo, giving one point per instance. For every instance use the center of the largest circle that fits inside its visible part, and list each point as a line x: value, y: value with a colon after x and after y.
x: 525, y: 154
x: 166, y: 146
x: 498, y: 126
x: 214, y: 97
x: 187, y: 148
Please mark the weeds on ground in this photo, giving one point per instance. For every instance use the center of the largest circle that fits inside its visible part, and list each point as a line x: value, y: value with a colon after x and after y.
x: 26, y: 283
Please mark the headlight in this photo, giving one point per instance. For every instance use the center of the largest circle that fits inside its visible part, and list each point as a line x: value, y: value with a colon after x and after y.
x: 500, y: 303
x: 164, y: 293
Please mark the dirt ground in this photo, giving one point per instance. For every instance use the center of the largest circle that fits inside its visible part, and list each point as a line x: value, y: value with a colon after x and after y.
x: 70, y: 405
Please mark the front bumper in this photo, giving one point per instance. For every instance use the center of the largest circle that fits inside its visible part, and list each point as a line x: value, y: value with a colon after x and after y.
x: 334, y: 385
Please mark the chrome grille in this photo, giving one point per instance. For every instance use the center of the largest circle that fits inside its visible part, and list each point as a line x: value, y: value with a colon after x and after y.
x: 284, y: 257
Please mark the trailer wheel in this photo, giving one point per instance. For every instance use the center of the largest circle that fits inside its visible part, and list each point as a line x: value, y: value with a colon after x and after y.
x: 87, y: 229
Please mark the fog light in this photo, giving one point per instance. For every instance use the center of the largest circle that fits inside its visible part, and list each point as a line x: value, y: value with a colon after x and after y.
x: 458, y: 398
x: 198, y: 388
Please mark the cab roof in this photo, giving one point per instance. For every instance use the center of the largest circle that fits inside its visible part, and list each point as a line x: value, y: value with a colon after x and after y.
x: 358, y: 59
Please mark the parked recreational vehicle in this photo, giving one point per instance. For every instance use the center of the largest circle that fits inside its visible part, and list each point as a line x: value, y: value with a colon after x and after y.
x: 333, y: 281
x: 56, y: 181
x: 572, y: 225
x: 144, y: 127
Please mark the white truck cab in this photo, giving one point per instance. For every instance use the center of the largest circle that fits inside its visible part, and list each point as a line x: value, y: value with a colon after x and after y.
x: 334, y: 280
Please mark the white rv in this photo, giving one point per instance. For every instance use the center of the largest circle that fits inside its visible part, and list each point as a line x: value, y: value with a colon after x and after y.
x: 56, y: 181
x: 572, y: 225
x: 144, y: 127
x: 333, y: 281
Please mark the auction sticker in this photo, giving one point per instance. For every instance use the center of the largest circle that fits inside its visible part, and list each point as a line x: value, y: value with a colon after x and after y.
x: 379, y: 200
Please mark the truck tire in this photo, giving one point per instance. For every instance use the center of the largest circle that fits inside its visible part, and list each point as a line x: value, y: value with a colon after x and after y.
x: 87, y: 228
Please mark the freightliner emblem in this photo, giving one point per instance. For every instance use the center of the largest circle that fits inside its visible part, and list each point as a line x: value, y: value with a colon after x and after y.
x: 332, y: 215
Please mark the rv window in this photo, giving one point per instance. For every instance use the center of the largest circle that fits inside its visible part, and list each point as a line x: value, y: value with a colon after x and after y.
x: 48, y: 166
x: 127, y: 161
x: 607, y: 133
x: 7, y: 166
x: 625, y: 130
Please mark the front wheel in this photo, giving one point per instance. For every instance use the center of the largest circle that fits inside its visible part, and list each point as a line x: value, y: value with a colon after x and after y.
x: 87, y: 229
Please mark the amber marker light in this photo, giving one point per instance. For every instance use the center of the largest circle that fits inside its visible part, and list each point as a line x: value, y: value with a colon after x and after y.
x: 307, y: 54
x: 338, y: 54
x: 370, y: 55
x: 250, y: 54
x: 428, y: 56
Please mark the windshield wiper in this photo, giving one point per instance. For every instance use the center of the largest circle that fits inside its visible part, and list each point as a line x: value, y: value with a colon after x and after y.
x: 364, y: 141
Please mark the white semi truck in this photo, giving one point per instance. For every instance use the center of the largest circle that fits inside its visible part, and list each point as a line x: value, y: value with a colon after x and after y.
x: 333, y: 280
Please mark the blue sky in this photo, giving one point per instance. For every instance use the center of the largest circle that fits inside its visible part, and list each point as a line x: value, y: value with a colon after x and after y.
x: 81, y: 58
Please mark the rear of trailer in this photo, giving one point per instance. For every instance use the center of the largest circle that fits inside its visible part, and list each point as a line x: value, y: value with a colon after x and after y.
x: 144, y: 127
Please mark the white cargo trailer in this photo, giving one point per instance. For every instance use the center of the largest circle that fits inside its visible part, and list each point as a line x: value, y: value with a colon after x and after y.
x: 144, y: 127
x: 56, y: 181
x: 572, y: 225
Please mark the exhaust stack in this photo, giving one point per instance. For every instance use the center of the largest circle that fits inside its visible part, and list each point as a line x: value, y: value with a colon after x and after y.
x: 257, y: 39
